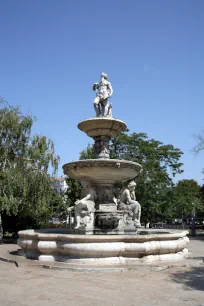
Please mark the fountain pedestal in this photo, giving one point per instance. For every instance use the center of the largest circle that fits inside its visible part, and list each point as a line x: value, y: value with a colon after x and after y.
x: 102, y: 130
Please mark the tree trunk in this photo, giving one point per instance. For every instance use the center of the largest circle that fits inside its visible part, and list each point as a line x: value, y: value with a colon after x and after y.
x: 193, y: 227
x: 1, y: 230
x: 182, y: 221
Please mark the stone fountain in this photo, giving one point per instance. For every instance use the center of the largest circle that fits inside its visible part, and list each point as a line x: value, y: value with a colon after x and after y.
x: 107, y: 227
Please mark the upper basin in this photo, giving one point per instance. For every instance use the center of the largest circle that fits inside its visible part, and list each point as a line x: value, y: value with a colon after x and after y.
x: 102, y: 127
x: 98, y: 171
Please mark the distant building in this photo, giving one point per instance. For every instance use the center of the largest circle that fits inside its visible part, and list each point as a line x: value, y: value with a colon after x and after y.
x: 59, y: 184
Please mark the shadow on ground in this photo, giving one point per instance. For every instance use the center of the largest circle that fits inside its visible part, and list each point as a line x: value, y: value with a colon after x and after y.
x: 199, y: 237
x: 193, y: 278
x: 9, y: 241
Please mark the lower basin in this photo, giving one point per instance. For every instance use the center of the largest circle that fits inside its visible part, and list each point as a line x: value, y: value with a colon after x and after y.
x: 50, y: 245
x: 99, y: 171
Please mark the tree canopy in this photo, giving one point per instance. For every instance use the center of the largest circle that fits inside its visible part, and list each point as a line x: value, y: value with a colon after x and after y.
x: 188, y: 197
x: 25, y: 164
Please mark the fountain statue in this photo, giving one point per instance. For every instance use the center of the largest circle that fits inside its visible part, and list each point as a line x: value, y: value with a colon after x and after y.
x: 85, y: 206
x: 107, y: 227
x: 128, y: 202
x: 103, y: 91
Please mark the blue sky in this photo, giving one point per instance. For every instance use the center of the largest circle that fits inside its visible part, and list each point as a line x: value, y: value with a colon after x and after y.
x: 52, y: 52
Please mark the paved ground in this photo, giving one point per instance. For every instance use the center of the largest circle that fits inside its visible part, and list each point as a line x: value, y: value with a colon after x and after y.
x: 176, y: 284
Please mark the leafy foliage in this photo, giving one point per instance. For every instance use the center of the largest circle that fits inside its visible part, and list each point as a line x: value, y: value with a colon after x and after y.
x: 88, y: 153
x: 25, y: 188
x: 73, y: 192
x: 160, y: 163
x: 187, y: 197
x: 58, y: 205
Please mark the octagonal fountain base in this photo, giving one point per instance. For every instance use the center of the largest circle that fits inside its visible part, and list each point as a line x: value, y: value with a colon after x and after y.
x: 49, y: 245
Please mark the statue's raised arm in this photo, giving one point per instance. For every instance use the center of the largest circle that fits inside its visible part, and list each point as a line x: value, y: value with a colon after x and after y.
x: 104, y: 91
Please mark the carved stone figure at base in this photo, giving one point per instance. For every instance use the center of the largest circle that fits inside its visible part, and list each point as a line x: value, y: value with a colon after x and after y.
x: 101, y: 147
x: 128, y: 202
x: 85, y: 207
x: 103, y: 91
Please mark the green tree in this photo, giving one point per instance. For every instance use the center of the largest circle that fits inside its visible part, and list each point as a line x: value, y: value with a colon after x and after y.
x: 73, y: 192
x: 35, y: 190
x: 160, y: 164
x: 88, y: 153
x: 24, y: 163
x: 162, y: 206
x: 58, y: 205
x: 14, y: 137
x: 187, y: 197
x: 202, y: 194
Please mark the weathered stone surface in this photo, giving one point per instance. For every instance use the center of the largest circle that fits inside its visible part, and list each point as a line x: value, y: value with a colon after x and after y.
x: 108, y: 207
x: 84, y: 208
x: 102, y: 127
x: 102, y: 130
x: 128, y: 202
x: 111, y: 249
x: 101, y: 147
x: 108, y: 219
x: 104, y: 91
x: 96, y: 171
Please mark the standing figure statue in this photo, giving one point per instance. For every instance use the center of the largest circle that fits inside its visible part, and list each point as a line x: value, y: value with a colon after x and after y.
x: 128, y: 202
x: 103, y: 91
x: 84, y: 208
